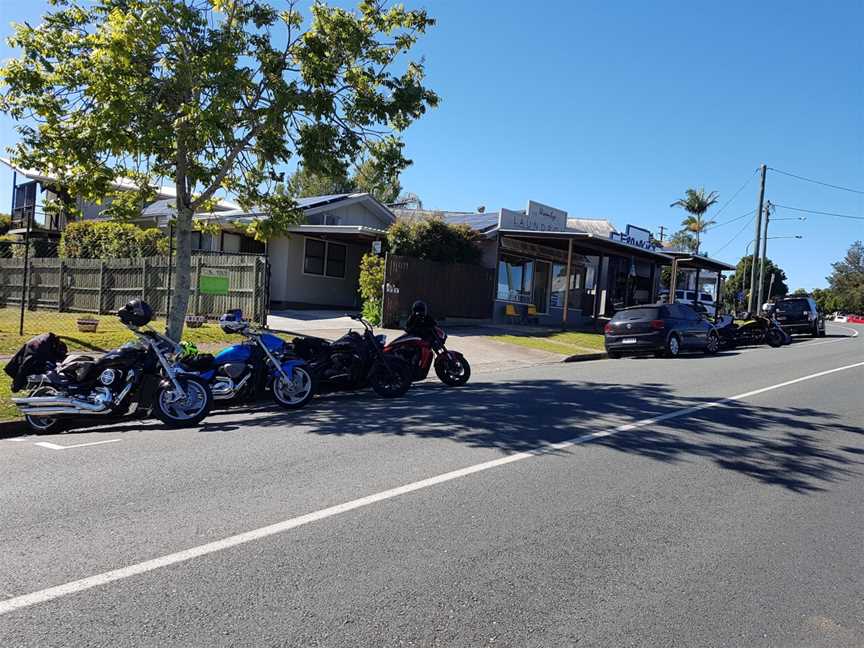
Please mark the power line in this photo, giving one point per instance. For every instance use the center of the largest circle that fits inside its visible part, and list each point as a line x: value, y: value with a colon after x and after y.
x: 741, y: 231
x: 749, y: 212
x: 818, y: 182
x: 734, y: 196
x: 823, y: 213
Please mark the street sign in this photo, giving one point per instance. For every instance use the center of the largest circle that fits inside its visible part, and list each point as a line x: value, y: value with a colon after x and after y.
x: 212, y: 281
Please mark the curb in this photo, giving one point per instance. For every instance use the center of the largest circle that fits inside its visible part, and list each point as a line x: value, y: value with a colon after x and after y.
x: 11, y: 428
x: 585, y: 357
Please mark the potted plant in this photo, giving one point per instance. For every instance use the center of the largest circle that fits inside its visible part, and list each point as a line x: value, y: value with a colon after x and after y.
x: 87, y: 324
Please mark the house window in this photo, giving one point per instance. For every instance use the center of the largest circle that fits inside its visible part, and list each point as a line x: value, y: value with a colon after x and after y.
x: 231, y: 242
x: 559, y: 280
x: 325, y: 258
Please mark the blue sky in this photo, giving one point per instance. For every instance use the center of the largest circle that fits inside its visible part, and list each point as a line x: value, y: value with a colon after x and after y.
x: 611, y: 110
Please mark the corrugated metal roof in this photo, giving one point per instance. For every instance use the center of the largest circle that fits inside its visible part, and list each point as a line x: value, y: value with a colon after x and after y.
x: 479, y: 222
x: 596, y: 226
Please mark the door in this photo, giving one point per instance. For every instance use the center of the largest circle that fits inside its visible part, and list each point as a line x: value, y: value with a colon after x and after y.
x: 542, y: 274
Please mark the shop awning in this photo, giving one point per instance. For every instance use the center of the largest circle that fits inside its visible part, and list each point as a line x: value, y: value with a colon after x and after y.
x: 345, y: 233
x: 692, y: 261
x: 586, y: 241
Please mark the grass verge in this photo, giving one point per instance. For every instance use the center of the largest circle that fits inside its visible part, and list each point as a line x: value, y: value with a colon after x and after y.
x: 561, y: 342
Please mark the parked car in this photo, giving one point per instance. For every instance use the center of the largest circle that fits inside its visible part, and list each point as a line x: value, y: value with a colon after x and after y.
x: 800, y: 315
x: 662, y: 329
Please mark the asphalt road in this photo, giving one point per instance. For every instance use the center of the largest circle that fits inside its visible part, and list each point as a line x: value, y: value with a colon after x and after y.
x: 642, y: 502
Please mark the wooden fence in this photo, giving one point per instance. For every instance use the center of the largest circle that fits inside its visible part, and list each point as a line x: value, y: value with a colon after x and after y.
x: 103, y: 286
x: 454, y: 290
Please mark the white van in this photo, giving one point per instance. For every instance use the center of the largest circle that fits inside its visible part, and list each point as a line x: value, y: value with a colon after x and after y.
x: 689, y: 296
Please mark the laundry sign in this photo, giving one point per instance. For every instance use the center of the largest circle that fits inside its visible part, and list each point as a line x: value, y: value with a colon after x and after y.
x: 213, y: 281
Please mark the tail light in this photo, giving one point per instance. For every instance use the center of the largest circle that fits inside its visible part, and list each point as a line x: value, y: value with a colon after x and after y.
x: 608, y: 328
x: 658, y: 325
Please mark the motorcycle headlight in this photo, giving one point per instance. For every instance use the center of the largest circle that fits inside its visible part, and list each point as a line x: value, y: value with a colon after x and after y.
x: 108, y: 377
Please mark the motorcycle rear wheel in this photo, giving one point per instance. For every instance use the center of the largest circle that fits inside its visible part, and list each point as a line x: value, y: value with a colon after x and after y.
x: 774, y: 338
x: 391, y: 378
x: 453, y: 373
x: 44, y: 424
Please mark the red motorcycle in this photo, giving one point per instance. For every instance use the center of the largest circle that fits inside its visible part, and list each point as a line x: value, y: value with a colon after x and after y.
x: 419, y: 351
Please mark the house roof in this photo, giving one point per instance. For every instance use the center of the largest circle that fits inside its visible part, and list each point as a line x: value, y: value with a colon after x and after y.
x: 689, y: 260
x: 594, y: 242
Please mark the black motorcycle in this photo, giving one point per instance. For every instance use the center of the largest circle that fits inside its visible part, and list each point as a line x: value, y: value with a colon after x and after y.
x: 139, y: 375
x: 756, y: 329
x: 354, y: 361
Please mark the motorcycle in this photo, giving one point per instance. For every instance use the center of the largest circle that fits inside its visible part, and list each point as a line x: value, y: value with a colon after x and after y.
x: 354, y: 361
x: 140, y: 375
x: 417, y: 351
x: 244, y: 371
x: 757, y: 329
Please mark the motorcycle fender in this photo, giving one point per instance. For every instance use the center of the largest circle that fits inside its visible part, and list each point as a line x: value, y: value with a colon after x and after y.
x: 288, y: 367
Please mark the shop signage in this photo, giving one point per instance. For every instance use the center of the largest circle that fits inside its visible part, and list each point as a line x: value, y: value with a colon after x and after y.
x: 213, y: 281
x: 636, y: 236
x: 536, y: 218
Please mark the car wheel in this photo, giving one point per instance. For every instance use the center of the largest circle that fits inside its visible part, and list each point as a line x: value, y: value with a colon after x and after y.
x: 712, y: 344
x: 815, y: 332
x: 673, y: 346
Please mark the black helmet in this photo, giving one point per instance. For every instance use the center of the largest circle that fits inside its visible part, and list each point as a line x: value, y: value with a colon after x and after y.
x: 420, y: 308
x: 135, y: 313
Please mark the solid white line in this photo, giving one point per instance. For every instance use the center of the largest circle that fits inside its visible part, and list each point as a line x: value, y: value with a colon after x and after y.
x: 54, y: 446
x: 42, y: 596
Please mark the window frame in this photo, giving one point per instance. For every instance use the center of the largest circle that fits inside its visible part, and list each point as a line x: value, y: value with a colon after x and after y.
x: 325, y: 259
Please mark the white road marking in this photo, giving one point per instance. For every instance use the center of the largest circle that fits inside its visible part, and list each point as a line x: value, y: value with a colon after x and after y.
x: 73, y: 587
x: 54, y: 446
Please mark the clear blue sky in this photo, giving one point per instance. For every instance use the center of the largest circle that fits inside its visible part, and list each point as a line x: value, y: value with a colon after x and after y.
x: 611, y: 110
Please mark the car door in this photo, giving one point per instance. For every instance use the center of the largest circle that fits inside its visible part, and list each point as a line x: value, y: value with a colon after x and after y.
x: 696, y: 332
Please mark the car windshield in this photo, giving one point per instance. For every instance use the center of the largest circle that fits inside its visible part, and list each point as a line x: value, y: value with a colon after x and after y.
x: 793, y: 306
x: 633, y: 314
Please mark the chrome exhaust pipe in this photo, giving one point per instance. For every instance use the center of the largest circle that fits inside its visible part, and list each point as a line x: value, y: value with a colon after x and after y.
x: 55, y: 411
x: 35, y: 403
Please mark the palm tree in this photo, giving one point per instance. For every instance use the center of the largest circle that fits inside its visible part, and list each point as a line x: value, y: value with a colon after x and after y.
x: 696, y: 202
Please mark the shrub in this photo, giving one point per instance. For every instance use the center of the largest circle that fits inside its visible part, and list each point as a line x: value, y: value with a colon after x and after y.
x: 372, y: 286
x: 40, y: 248
x: 5, y: 223
x: 110, y: 240
x: 434, y: 240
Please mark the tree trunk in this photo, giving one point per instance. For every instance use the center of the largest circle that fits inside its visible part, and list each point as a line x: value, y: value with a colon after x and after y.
x: 182, y: 268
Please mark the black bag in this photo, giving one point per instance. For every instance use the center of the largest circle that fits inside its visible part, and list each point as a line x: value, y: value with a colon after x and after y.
x: 34, y: 358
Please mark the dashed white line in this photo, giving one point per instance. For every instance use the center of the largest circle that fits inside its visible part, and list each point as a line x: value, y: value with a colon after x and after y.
x: 51, y: 593
x: 54, y: 446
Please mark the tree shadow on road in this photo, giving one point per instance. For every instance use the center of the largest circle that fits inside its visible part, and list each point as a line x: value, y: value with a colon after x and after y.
x: 790, y: 447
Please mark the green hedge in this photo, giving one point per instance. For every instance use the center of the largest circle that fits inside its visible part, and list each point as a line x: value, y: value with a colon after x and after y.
x: 110, y: 240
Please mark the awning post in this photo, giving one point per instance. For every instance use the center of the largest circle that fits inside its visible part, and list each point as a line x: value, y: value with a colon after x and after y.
x: 567, y: 282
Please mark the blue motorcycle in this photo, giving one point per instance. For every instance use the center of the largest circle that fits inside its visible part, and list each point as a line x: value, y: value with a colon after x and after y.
x: 246, y: 370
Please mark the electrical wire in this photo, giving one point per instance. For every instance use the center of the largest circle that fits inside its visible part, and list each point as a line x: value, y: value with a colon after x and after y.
x: 734, y: 196
x: 822, y: 213
x: 749, y: 212
x: 818, y: 182
x: 741, y: 231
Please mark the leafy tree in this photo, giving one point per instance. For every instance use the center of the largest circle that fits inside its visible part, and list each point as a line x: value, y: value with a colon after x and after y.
x: 5, y: 223
x: 380, y: 180
x: 304, y: 183
x: 740, y: 282
x: 684, y: 240
x: 200, y: 94
x: 696, y: 203
x: 847, y: 280
x: 371, y: 175
x: 800, y: 291
x: 826, y: 300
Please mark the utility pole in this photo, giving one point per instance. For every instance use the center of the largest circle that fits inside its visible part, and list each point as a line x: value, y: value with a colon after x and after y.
x: 764, y: 253
x: 662, y: 232
x: 763, y: 170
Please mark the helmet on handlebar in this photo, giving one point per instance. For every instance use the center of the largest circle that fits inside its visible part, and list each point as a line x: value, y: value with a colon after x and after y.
x: 232, y: 321
x: 420, y: 308
x: 135, y: 313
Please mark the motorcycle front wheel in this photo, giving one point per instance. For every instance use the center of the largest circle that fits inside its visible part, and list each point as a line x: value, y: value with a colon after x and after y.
x: 294, y: 393
x: 391, y: 378
x: 176, y: 411
x: 453, y: 372
x: 774, y: 338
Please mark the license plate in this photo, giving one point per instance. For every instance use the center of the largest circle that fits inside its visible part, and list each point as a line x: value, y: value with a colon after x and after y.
x: 628, y: 341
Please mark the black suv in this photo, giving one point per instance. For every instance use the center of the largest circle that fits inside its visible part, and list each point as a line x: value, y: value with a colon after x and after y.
x: 664, y: 329
x: 800, y: 315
